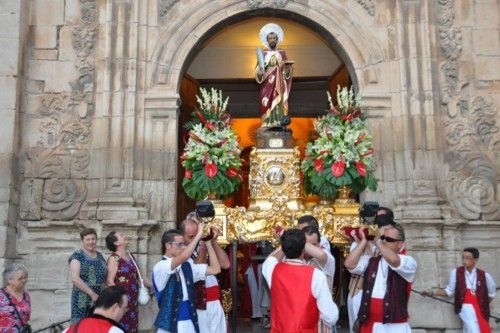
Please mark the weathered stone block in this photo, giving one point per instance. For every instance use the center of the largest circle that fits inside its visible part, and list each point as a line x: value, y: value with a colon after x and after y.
x: 486, y: 41
x: 45, y: 37
x: 9, y: 25
x: 31, y: 199
x: 8, y: 93
x: 56, y: 74
x: 44, y: 54
x: 9, y: 53
x: 47, y: 12
x: 486, y: 14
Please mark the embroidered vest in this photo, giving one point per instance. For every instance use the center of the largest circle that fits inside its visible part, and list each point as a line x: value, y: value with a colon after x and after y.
x: 170, y: 299
x: 293, y: 307
x: 481, y: 291
x: 395, y: 299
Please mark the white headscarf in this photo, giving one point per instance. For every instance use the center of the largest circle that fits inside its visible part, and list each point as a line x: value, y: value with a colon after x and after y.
x: 267, y: 29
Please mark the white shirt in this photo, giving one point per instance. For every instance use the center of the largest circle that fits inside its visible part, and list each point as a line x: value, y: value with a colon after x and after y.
x: 406, y: 269
x: 470, y: 282
x: 211, y: 281
x: 329, y: 268
x: 328, y: 310
x: 163, y: 269
x: 325, y: 244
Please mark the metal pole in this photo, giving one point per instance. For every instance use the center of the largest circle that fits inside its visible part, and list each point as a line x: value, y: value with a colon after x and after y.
x: 234, y: 287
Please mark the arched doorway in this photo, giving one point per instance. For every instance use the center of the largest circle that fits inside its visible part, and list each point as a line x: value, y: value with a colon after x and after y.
x: 179, y: 46
x: 226, y: 61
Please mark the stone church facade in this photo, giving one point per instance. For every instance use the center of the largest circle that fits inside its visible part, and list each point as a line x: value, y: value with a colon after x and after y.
x: 89, y: 97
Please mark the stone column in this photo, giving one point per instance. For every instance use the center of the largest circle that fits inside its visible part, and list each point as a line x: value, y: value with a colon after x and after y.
x: 415, y: 130
x: 13, y: 33
x: 114, y: 133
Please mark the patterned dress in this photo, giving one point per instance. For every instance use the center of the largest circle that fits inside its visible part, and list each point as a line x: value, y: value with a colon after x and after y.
x: 9, y: 321
x: 127, y: 277
x: 93, y: 273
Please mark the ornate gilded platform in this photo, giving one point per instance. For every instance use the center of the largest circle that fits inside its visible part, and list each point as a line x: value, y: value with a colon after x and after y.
x: 276, y: 199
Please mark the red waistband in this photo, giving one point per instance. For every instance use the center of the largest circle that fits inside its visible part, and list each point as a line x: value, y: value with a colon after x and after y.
x: 213, y: 293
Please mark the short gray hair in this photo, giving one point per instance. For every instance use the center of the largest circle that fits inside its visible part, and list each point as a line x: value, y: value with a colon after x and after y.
x: 10, y: 270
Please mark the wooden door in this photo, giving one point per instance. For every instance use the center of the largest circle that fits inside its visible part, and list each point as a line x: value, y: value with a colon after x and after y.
x: 189, y: 89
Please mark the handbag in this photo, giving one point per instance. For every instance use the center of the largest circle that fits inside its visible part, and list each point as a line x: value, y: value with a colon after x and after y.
x: 143, y: 296
x: 25, y: 328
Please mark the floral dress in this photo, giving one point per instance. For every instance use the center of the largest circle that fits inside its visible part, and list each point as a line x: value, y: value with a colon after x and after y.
x: 9, y: 321
x: 127, y: 277
x: 93, y: 273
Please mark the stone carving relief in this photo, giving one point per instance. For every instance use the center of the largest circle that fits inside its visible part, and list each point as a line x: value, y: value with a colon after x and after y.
x: 368, y: 5
x: 61, y: 157
x: 450, y: 39
x: 254, y: 4
x: 164, y: 6
x: 474, y: 145
x: 471, y: 130
x: 62, y: 198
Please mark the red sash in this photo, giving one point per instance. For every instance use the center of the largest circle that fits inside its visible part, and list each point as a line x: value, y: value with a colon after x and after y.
x: 213, y: 293
x: 376, y: 315
x: 469, y: 298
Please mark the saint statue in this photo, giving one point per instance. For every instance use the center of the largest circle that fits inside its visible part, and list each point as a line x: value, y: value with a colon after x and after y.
x: 274, y: 75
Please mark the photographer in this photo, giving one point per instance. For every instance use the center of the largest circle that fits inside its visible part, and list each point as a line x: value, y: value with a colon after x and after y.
x: 211, y: 316
x: 173, y: 280
x: 370, y: 213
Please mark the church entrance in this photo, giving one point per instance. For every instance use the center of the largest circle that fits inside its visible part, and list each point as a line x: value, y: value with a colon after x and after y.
x: 226, y: 61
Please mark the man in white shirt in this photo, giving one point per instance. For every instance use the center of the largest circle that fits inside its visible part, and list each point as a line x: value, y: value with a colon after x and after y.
x: 173, y: 279
x: 321, y: 259
x: 299, y: 293
x: 309, y: 220
x: 382, y: 311
x: 383, y: 219
x: 211, y: 318
x: 474, y: 289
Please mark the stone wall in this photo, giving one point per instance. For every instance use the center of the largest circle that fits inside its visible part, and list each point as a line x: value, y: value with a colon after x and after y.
x: 89, y: 99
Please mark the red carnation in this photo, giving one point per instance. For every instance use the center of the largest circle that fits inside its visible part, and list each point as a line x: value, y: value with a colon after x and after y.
x: 318, y: 165
x: 211, y: 170
x: 188, y: 174
x: 361, y: 168
x: 338, y: 168
x: 232, y: 172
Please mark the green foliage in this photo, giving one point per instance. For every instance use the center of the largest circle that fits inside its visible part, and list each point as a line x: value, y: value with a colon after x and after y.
x: 211, y: 155
x: 342, y: 136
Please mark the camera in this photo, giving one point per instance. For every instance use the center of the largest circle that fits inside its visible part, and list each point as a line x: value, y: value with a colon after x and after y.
x: 368, y: 211
x: 205, y: 210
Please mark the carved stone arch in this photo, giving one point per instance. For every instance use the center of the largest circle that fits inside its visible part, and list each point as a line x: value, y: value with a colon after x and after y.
x: 356, y: 46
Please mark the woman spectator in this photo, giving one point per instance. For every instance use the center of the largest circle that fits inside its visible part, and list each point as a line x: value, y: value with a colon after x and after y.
x: 15, y: 302
x: 88, y: 274
x: 122, y: 271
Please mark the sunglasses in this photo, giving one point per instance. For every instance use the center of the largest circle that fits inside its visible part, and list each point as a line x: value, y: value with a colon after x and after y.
x: 178, y: 245
x: 389, y: 239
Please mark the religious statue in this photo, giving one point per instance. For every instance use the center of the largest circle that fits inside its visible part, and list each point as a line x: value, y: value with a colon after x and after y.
x: 274, y: 75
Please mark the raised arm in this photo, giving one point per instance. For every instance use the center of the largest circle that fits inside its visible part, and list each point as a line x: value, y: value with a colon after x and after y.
x: 317, y: 253
x: 74, y: 267
x: 222, y: 256
x: 353, y: 258
x: 188, y: 251
x: 213, y: 263
x: 389, y: 255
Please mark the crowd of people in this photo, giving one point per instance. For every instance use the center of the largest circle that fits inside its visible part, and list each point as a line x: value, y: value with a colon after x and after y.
x: 298, y: 274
